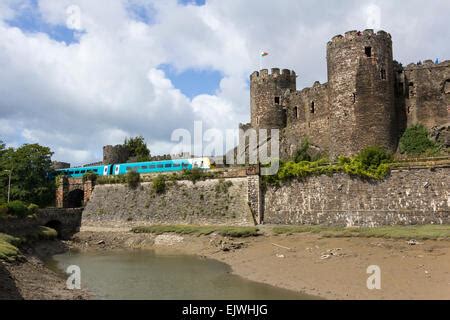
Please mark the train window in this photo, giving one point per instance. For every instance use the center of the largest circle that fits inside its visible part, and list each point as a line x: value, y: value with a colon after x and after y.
x: 144, y: 167
x: 176, y: 165
x: 70, y: 172
x: 168, y: 165
x: 185, y: 165
x: 95, y: 170
x: 77, y: 172
x: 83, y: 171
x: 152, y: 166
x: 160, y: 166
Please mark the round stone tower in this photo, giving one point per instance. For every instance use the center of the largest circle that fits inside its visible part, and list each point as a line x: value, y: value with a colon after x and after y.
x: 266, y: 97
x: 361, y: 86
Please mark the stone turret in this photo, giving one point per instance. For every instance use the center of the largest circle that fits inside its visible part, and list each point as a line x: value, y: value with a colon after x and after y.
x: 267, y: 91
x: 361, y: 92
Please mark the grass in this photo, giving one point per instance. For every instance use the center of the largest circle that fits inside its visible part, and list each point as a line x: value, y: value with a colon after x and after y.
x: 235, y: 232
x: 8, y: 247
x: 425, y: 232
x: 43, y: 233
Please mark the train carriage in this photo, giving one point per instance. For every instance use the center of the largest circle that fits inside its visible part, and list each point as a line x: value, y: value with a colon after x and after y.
x: 140, y: 167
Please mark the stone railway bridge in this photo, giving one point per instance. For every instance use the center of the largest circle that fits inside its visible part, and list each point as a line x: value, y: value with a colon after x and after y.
x: 65, y: 221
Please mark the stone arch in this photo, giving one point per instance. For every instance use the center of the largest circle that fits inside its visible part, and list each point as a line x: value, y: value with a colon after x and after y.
x: 75, y: 198
x: 56, y: 225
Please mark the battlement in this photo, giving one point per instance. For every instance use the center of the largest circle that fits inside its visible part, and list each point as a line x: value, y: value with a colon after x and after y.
x: 275, y: 73
x: 354, y: 35
x: 427, y: 64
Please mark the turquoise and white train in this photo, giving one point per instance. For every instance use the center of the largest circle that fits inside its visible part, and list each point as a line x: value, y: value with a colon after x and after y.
x: 139, y: 167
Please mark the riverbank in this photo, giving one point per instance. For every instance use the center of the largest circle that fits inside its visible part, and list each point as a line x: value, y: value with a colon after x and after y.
x: 326, y: 267
x: 27, y: 277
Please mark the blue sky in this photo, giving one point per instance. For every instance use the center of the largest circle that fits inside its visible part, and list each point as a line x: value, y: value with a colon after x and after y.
x: 29, y: 19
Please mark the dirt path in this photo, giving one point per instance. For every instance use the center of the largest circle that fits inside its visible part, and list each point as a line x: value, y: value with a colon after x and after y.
x: 332, y: 268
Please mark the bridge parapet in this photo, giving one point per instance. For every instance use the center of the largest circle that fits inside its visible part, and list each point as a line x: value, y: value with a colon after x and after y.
x: 72, y: 192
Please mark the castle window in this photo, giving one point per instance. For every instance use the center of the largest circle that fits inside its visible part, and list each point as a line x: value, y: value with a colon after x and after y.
x: 411, y: 90
x: 354, y: 97
x: 312, y: 108
x: 296, y: 112
x: 383, y: 74
x: 368, y: 51
x: 447, y: 87
x: 277, y: 100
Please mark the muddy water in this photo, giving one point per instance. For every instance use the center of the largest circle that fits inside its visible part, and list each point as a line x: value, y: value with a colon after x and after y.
x: 144, y: 275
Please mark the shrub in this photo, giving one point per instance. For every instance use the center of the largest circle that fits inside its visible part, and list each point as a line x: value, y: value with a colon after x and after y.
x: 415, y: 141
x: 302, y: 153
x: 159, y: 184
x: 33, y: 208
x: 8, y: 247
x: 90, y: 176
x: 3, y: 211
x: 133, y: 179
x: 17, y: 208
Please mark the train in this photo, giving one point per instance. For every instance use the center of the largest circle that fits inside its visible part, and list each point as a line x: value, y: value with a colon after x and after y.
x: 139, y: 167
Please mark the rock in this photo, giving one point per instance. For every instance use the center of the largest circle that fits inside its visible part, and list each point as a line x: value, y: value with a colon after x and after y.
x: 281, y: 256
x: 413, y: 242
x: 325, y: 256
x: 168, y: 240
x: 101, y: 242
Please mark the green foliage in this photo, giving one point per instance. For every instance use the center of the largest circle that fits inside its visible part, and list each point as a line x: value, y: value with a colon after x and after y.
x: 111, y: 179
x: 90, y: 176
x: 370, y: 163
x: 30, y: 165
x: 42, y: 233
x: 159, y: 184
x: 138, y: 148
x: 3, y: 211
x: 195, y: 175
x: 415, y: 141
x: 17, y: 208
x: 33, y: 208
x: 394, y: 232
x: 8, y: 247
x: 235, y: 232
x: 133, y: 179
x: 302, y: 153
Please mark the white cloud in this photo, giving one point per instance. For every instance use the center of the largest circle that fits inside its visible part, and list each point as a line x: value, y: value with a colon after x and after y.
x: 76, y: 98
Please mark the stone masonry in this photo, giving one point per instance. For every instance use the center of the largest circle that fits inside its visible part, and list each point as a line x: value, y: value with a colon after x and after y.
x: 369, y: 99
x: 407, y: 197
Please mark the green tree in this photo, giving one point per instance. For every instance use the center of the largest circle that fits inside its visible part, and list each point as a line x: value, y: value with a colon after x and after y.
x: 31, y: 166
x: 138, y: 148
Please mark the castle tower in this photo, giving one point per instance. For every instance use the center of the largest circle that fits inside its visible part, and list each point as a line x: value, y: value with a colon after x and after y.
x: 361, y: 92
x: 266, y: 97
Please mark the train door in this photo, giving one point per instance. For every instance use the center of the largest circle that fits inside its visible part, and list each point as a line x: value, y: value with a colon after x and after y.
x: 117, y: 170
x: 105, y: 170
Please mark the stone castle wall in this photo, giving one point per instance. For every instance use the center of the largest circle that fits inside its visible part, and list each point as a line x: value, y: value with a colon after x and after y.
x: 369, y: 99
x: 426, y: 88
x: 418, y: 196
x: 210, y: 202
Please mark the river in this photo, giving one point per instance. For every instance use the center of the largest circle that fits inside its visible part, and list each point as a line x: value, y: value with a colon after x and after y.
x: 144, y: 275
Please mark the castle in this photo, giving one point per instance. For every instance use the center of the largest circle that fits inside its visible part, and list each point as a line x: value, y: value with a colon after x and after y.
x: 369, y: 98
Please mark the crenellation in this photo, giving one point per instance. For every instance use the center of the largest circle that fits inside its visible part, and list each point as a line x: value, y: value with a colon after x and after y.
x: 369, y: 98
